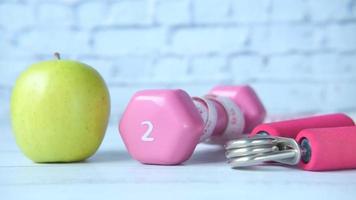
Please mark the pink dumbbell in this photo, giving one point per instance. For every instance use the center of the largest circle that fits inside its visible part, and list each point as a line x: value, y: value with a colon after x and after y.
x: 164, y: 126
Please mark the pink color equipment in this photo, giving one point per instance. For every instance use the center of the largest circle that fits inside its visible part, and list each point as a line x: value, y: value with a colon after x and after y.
x: 319, y: 143
x: 164, y: 126
x: 317, y: 149
x: 290, y: 128
x: 328, y: 148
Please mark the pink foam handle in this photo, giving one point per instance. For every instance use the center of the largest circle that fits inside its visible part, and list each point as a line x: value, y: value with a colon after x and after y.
x: 290, y: 128
x: 331, y: 148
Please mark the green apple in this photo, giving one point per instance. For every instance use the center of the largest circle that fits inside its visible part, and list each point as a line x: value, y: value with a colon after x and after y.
x: 59, y: 111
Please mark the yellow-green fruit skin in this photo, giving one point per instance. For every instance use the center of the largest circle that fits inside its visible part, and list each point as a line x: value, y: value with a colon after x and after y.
x: 59, y: 111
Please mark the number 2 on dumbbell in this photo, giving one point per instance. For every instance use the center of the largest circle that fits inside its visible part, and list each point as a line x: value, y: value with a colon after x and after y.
x: 146, y: 136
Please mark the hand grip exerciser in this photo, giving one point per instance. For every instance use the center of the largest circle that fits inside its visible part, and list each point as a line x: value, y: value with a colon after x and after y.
x: 290, y: 128
x: 298, y: 142
x: 164, y: 126
x: 319, y: 149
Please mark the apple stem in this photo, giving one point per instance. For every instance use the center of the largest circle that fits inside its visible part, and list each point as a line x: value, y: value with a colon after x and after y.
x: 57, y: 55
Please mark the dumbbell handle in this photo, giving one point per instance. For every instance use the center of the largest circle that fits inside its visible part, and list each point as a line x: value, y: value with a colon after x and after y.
x: 222, y: 117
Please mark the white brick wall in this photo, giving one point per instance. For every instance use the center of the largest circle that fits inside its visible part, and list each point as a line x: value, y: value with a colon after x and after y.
x: 300, y: 55
x: 172, y: 12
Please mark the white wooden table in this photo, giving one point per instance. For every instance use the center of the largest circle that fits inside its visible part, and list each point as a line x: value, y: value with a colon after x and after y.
x: 112, y: 174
